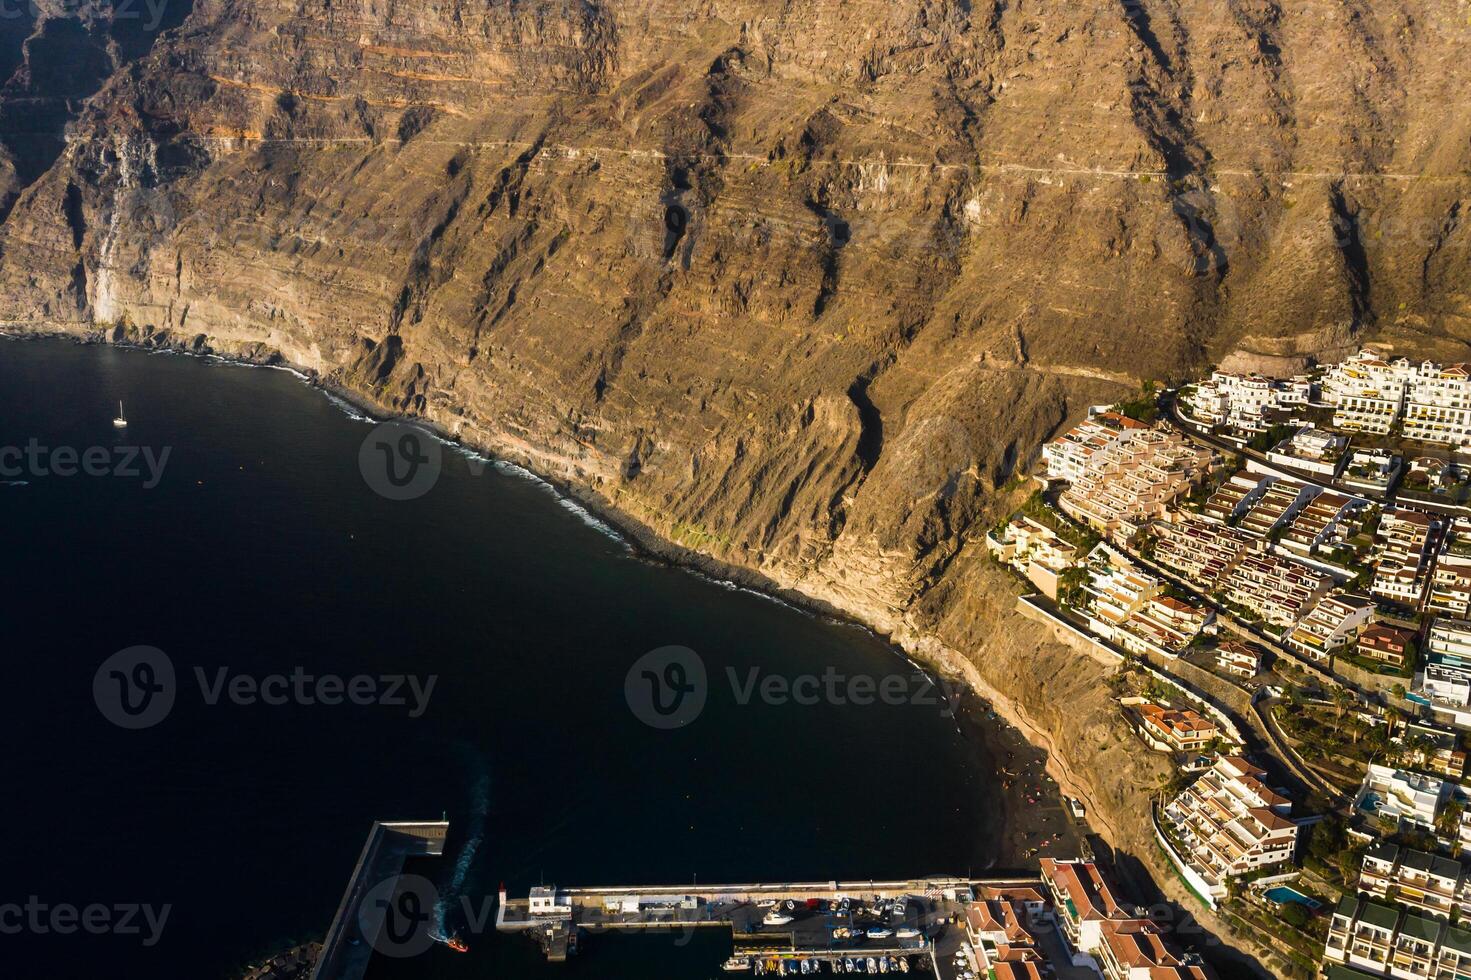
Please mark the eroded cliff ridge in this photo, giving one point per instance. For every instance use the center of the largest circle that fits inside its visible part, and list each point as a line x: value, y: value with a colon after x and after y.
x: 795, y: 285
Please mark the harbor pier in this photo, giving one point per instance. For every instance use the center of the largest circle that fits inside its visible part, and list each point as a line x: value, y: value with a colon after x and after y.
x: 776, y: 927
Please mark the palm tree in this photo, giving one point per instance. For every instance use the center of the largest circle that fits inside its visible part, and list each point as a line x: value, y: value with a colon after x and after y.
x: 1072, y: 591
x: 1341, y: 701
x: 1378, y: 740
x: 1448, y: 821
x: 1418, y: 749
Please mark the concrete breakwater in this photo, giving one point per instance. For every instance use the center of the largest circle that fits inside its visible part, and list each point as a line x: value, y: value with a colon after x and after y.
x: 357, y: 926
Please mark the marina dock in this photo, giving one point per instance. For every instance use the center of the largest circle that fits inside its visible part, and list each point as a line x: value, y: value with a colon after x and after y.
x: 778, y: 928
x: 775, y: 927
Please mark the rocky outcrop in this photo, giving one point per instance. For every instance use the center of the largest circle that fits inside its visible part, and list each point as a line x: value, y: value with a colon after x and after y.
x: 797, y: 287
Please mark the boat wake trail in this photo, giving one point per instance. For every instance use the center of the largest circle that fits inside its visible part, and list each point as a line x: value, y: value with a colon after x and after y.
x: 449, y: 895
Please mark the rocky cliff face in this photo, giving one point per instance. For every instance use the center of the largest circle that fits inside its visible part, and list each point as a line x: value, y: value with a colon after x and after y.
x: 796, y: 286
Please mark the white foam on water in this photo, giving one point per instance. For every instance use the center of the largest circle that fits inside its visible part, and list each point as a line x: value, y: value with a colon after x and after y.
x: 480, y: 792
x: 774, y: 598
x: 511, y: 469
x: 732, y: 586
x: 588, y: 517
x: 223, y: 361
x: 567, y: 503
x: 289, y: 370
x: 347, y: 408
x: 474, y: 455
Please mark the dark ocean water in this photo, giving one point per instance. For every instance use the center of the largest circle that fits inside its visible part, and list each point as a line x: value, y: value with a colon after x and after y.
x: 262, y: 550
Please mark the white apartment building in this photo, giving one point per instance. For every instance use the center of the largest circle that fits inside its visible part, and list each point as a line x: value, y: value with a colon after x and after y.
x: 1164, y: 625
x: 1438, y: 404
x: 1036, y: 551
x: 1450, y: 639
x: 1413, y: 800
x: 1444, y: 686
x: 1402, y: 562
x: 1228, y: 822
x: 1128, y: 606
x: 1407, y: 799
x: 1242, y: 401
x: 1118, y: 591
x: 1205, y: 402
x: 1135, y: 480
x: 1332, y: 624
x: 1139, y: 952
x: 1278, y: 589
x: 1327, y: 522
x: 1239, y: 659
x: 1280, y: 504
x: 1427, y: 882
x: 1311, y: 450
x: 1370, y: 394
x: 1086, y: 905
x: 1450, y: 583
x: 1367, y: 392
x: 1066, y: 457
x: 1368, y: 939
x: 1200, y: 550
x: 1361, y: 935
x: 1232, y: 498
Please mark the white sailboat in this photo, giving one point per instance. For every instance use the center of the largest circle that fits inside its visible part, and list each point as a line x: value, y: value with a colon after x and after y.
x: 121, y: 422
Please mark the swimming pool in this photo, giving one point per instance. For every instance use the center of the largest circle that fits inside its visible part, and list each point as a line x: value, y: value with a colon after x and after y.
x: 1282, y: 895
